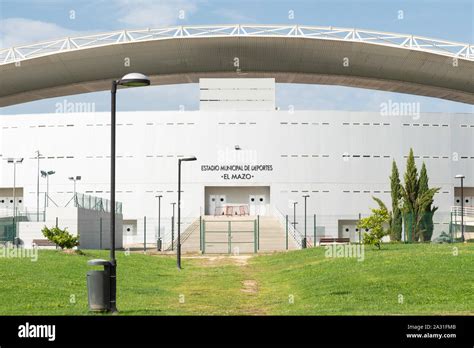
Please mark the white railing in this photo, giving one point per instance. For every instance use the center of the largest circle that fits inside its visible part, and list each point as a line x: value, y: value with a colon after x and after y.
x: 466, y: 212
x: 405, y: 41
x: 292, y: 231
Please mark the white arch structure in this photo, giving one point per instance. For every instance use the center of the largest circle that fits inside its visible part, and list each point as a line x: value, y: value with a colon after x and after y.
x: 292, y: 54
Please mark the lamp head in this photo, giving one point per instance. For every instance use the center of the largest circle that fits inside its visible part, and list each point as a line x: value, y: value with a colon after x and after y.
x: 51, y: 172
x: 134, y: 80
x: 44, y: 174
x: 459, y: 176
x: 192, y: 158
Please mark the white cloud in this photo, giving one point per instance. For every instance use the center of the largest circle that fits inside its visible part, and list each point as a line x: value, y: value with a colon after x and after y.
x: 20, y: 31
x: 152, y: 14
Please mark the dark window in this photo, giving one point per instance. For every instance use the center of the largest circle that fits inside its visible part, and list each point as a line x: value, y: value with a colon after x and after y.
x: 457, y: 200
x: 347, y: 230
x: 261, y: 199
x: 222, y: 199
x: 467, y: 200
x: 19, y: 201
x: 11, y: 200
x: 128, y: 229
x: 213, y: 199
x: 357, y: 230
x: 252, y: 199
x: 366, y: 230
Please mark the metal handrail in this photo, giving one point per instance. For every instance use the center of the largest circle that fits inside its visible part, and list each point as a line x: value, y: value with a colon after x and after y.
x: 468, y: 211
x: 185, y: 233
x: 292, y: 231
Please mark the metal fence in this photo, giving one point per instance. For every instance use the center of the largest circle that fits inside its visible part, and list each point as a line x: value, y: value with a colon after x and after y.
x: 95, y: 203
x: 314, y: 227
x: 229, y: 236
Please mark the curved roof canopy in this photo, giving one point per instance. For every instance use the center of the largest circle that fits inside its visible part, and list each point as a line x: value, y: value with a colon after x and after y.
x: 292, y: 54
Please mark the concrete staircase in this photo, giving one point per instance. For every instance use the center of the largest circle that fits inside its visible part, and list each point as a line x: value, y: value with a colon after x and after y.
x: 272, y: 235
x: 189, y: 238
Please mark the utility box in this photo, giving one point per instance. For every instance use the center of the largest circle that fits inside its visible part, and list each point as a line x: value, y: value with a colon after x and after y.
x: 98, y: 286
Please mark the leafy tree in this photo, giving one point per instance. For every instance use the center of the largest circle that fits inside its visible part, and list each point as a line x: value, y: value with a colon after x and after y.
x: 426, y: 223
x: 396, y: 221
x: 376, y: 224
x: 61, y: 238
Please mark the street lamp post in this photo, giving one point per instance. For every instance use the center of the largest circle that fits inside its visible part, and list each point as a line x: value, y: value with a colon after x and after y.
x: 178, y: 253
x: 129, y: 80
x: 47, y: 174
x: 172, y: 227
x: 303, y: 244
x: 158, y: 241
x: 14, y: 161
x: 38, y: 154
x: 460, y: 176
x: 294, y: 214
x: 75, y: 178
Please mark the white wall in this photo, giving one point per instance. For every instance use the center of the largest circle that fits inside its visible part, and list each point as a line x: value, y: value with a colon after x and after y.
x: 341, y: 159
x: 76, y: 220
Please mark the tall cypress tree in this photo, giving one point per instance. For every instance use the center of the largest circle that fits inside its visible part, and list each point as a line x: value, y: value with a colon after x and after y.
x: 426, y: 224
x: 395, y: 186
x: 410, y: 193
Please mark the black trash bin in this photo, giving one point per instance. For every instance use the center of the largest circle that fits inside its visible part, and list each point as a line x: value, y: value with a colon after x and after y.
x: 158, y: 244
x: 98, y: 286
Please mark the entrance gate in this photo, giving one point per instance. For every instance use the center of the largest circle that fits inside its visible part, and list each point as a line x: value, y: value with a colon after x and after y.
x: 229, y: 236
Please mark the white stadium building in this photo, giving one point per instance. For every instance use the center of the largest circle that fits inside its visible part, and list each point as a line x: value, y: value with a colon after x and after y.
x: 253, y: 158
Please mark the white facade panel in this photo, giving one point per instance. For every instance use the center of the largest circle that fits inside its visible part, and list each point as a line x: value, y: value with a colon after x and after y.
x: 237, y: 94
x: 341, y: 159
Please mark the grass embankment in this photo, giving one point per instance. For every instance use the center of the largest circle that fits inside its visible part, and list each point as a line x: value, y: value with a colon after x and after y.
x: 427, y: 279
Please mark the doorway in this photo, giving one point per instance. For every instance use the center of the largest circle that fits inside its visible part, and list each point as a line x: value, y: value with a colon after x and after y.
x: 237, y: 200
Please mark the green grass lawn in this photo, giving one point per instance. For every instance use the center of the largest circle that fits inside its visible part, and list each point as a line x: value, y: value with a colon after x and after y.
x: 429, y: 278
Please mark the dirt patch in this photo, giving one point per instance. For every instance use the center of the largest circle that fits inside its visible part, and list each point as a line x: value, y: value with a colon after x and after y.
x: 216, y: 261
x: 241, y: 260
x: 249, y: 286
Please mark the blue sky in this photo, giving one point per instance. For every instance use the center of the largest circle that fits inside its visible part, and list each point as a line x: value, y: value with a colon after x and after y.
x: 27, y: 21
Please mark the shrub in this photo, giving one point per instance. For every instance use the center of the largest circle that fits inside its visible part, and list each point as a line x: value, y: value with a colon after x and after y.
x: 442, y: 238
x: 376, y: 224
x: 61, y: 238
